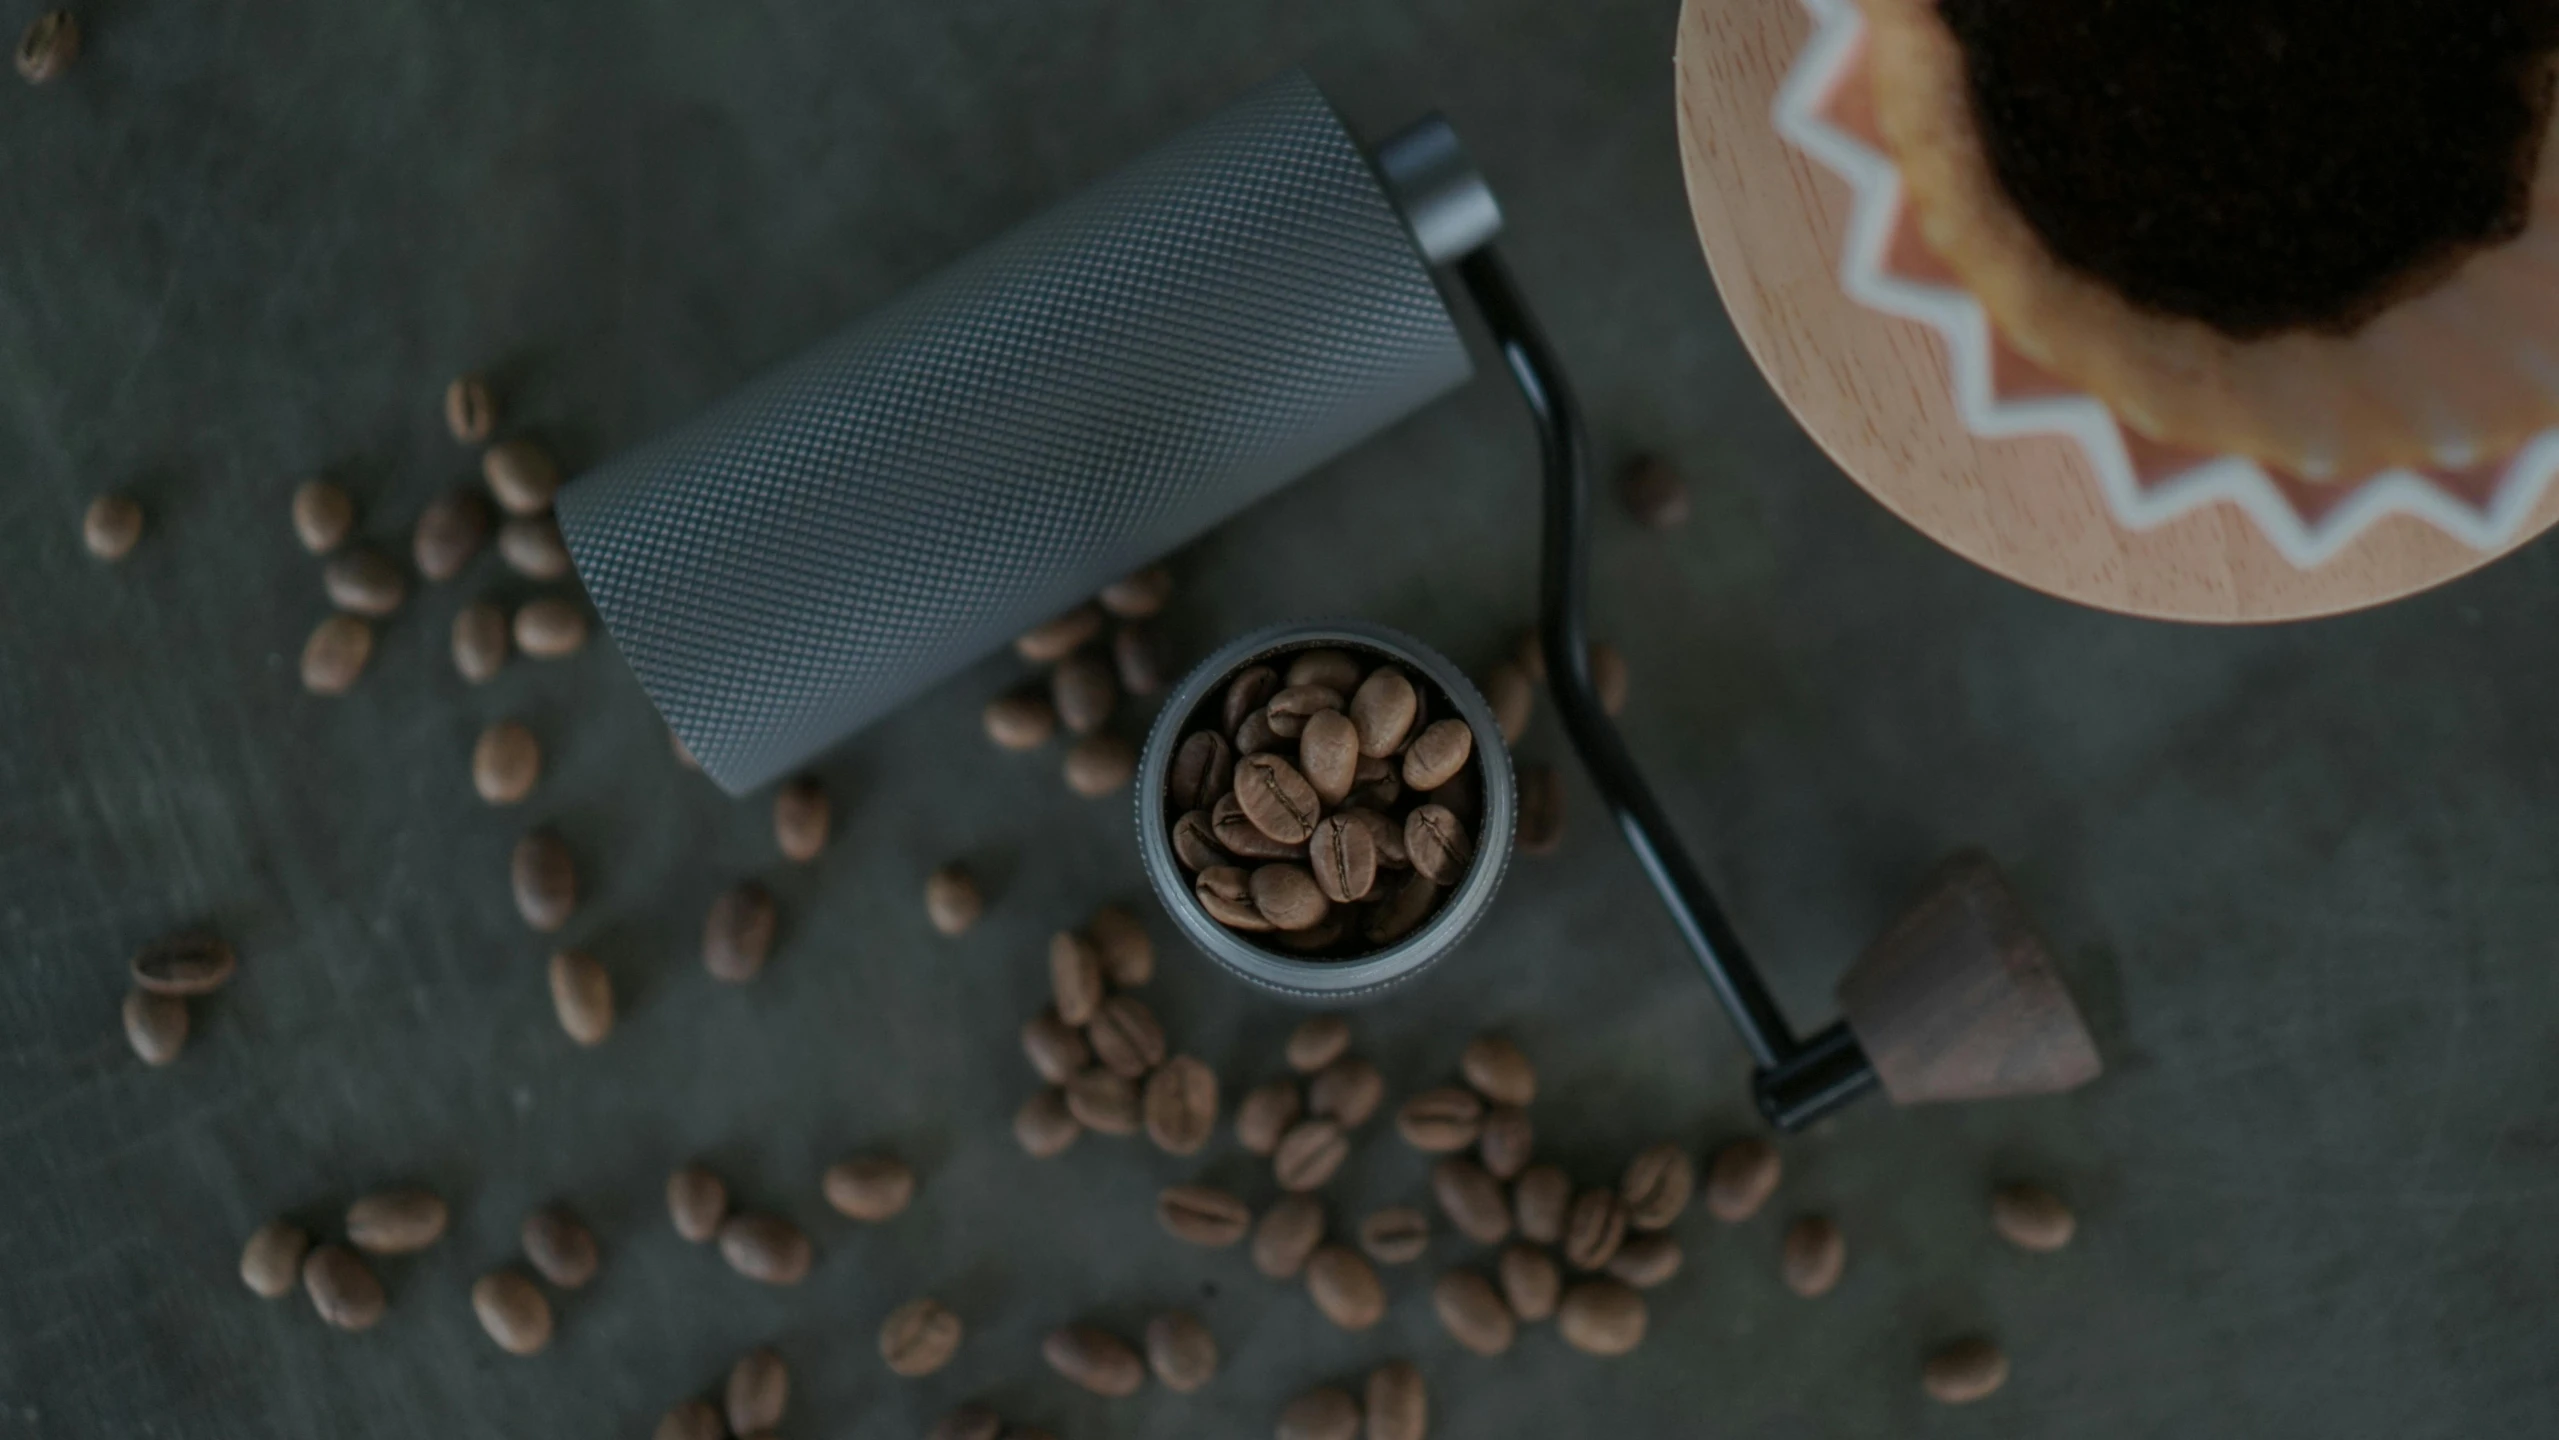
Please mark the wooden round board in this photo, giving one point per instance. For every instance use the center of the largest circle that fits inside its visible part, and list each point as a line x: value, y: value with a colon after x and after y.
x: 1875, y: 392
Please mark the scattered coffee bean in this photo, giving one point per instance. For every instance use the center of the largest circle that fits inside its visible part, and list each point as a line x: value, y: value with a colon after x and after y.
x: 581, y: 996
x: 531, y: 547
x: 801, y: 818
x: 1203, y: 769
x: 470, y: 410
x: 1507, y: 1141
x: 1438, y: 753
x: 1396, y: 1235
x: 1181, y: 1351
x: 969, y: 1422
x: 952, y: 900
x: 2031, y: 1217
x: 1233, y: 833
x: 449, y: 532
x: 341, y: 1288
x: 919, y: 1337
x: 112, y: 526
x: 1226, y: 893
x: 396, y: 1222
x: 1964, y: 1372
x: 545, y: 879
x: 1513, y: 698
x: 1531, y: 1281
x: 1020, y: 720
x: 1276, y: 798
x: 1438, y: 1121
x: 1318, y: 1041
x: 1541, y: 1199
x: 1075, y: 976
x: 1309, y: 1154
x: 758, y: 1393
x: 155, y: 1026
x: 1815, y: 1253
x: 692, y: 1420
x: 1645, y: 1261
x: 1656, y: 1187
x: 1099, y: 764
x: 697, y: 1201
x: 1202, y: 1215
x: 1594, y: 1229
x: 869, y: 1188
x: 1437, y: 842
x: 190, y: 963
x: 1104, y: 1102
x: 361, y: 582
x: 1608, y: 676
x: 1288, y: 1232
x: 1403, y: 912
x: 1601, y: 1317
x: 1056, y: 1049
x: 1288, y: 897
x: 1653, y: 494
x: 1347, y: 1092
x: 766, y: 1248
x: 560, y: 1247
x: 1125, y: 1035
x: 1083, y: 691
x: 47, y: 47
x: 1138, y: 595
x: 1473, y: 1312
x: 1398, y: 1405
x: 323, y: 516
x: 505, y: 762
x: 479, y: 642
x: 550, y: 628
x: 1137, y: 659
x: 522, y: 475
x: 1128, y: 952
x: 1094, y: 1359
x: 1472, y: 1200
x: 1054, y: 640
x: 737, y: 935
x: 272, y: 1260
x: 1743, y: 1176
x: 1180, y: 1104
x: 1541, y: 810
x: 1325, y: 1414
x: 1345, y: 1287
x: 1264, y: 1114
x: 1342, y: 853
x: 1044, y: 1126
x: 336, y: 654
x: 512, y: 1310
x: 1499, y: 1070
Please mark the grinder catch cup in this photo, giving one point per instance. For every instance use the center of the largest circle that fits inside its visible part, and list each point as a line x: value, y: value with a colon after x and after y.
x: 1107, y: 381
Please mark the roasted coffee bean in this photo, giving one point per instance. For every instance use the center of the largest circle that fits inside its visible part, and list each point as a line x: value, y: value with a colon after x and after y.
x: 1601, y: 1317
x: 1264, y: 1114
x: 581, y: 996
x: 1814, y: 1255
x: 112, y: 526
x: 919, y: 1337
x: 1094, y: 1359
x: 550, y: 628
x: 560, y: 1247
x: 1074, y: 976
x: 1541, y: 810
x: 1255, y: 736
x: 737, y: 936
x: 758, y: 1392
x: 869, y: 1188
x: 2031, y: 1217
x: 1054, y: 640
x: 1342, y: 853
x: 512, y: 1310
x: 1138, y: 595
x: 1202, y: 1215
x: 1288, y: 897
x: 1398, y: 1405
x: 1744, y: 1175
x: 1226, y: 893
x: 1513, y: 698
x: 1246, y: 693
x: 1499, y: 1070
x: 1347, y: 1092
x: 1180, y: 1104
x: 1020, y: 720
x: 1044, y: 1126
x: 1083, y: 691
x: 1318, y: 1041
x: 692, y: 1420
x: 1656, y: 1186
x: 470, y: 410
x: 1645, y: 1261
x: 1441, y: 1120
x: 1325, y: 1414
x: 1345, y: 1287
x: 1128, y: 952
x: 1288, y: 1232
x: 801, y: 818
x: 1099, y: 764
x: 1203, y: 770
x: 1057, y: 1049
x: 396, y: 1222
x: 952, y: 901
x: 697, y: 1201
x: 1309, y: 1154
x: 323, y: 516
x: 336, y: 654
x: 1240, y: 837
x: 1540, y: 1201
x: 1377, y: 785
x: 1382, y: 711
x: 1402, y: 912
x: 505, y: 762
x: 1593, y: 1229
x: 1531, y: 1281
x: 1964, y: 1372
x: 362, y: 582
x: 155, y: 1026
x: 1507, y: 1141
x: 1195, y: 844
x: 479, y: 642
x: 191, y: 963
x: 521, y: 474
x: 531, y: 547
x: 1472, y: 1200
x: 969, y: 1422
x: 1137, y: 659
x: 1289, y: 710
x: 1333, y: 669
x: 272, y: 1260
x: 47, y: 46
x: 450, y: 531
x: 1181, y: 1351
x: 1473, y: 1312
x: 1125, y: 1035
x: 766, y: 1248
x: 1276, y: 798
x: 1102, y: 1101
x: 1653, y: 494
x: 1328, y: 755
x: 1438, y: 753
x: 1438, y: 844
x: 1396, y: 1235
x: 341, y: 1288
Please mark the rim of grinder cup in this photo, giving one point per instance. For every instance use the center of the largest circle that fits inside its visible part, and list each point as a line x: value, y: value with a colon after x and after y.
x: 1364, y: 976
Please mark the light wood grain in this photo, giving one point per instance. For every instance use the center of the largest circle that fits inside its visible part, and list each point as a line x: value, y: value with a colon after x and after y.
x: 1875, y: 392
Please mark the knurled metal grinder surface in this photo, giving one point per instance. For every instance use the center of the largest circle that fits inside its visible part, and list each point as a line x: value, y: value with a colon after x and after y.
x: 1058, y: 408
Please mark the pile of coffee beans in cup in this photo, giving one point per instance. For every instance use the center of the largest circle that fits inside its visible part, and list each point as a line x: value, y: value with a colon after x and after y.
x: 1325, y: 800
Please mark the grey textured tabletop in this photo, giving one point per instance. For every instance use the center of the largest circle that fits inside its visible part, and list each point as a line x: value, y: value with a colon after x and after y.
x: 2303, y: 879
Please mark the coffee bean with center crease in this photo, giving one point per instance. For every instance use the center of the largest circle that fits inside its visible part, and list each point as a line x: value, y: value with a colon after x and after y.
x: 1202, y: 1215
x: 1074, y: 977
x: 766, y: 1248
x: 1288, y: 1232
x: 1813, y: 1256
x: 1656, y: 1186
x: 1288, y: 897
x: 186, y: 964
x: 1593, y: 1229
x: 1541, y: 810
x: 345, y: 1293
x: 737, y: 935
x: 1512, y: 698
x: 1331, y: 668
x: 1239, y: 836
x: 531, y: 547
x: 1743, y: 1176
x: 1099, y: 764
x: 362, y: 582
x: 1082, y: 689
x: 1601, y: 1317
x: 1128, y: 952
x: 1104, y: 1102
x: 1342, y: 853
x: 1396, y: 1235
x: 521, y: 474
x: 758, y: 1392
x: 1195, y: 844
x: 335, y: 655
x: 1125, y: 1035
x: 1020, y: 720
x: 1094, y: 1359
x: 1181, y: 1351
x: 323, y: 516
x: 1507, y: 1141
x: 1328, y: 755
x: 1138, y: 595
x: 1044, y: 1127
x: 1438, y: 753
x: 1398, y: 1405
x: 1309, y: 1154
x: 1645, y: 1261
x: 1382, y: 711
x: 1441, y: 1120
x: 1345, y: 1287
x: 1438, y: 844
x: 550, y: 628
x: 1180, y: 1105
x: 1385, y: 840
x: 1203, y: 770
x: 696, y: 1201
x: 479, y: 642
x: 449, y: 532
x: 1473, y: 1312
x: 1325, y: 1414
x: 1531, y: 1281
x: 1318, y: 1041
x: 1276, y: 798
x: 1472, y: 1200
x: 1290, y: 709
x: 1499, y: 1070
x: 869, y: 1188
x: 1255, y: 736
x: 1540, y: 1201
x: 919, y: 1337
x: 513, y: 1311
x: 1056, y: 1049
x: 560, y: 1246
x: 1137, y: 659
x: 1377, y: 785
x: 272, y: 1260
x: 1264, y: 1114
x: 1347, y: 1092
x: 397, y: 1222
x: 1056, y: 639
x: 1402, y: 912
x: 1226, y: 893
x: 1246, y: 693
x: 470, y: 410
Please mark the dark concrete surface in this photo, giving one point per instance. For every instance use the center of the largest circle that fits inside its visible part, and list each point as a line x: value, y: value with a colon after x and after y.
x: 2304, y: 879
